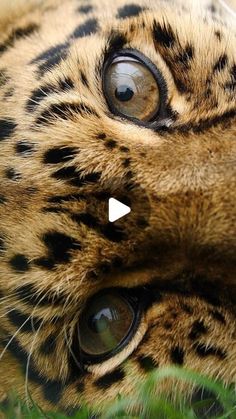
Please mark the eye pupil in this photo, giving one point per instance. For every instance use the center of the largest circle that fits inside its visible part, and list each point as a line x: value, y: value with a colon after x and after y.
x: 124, y: 93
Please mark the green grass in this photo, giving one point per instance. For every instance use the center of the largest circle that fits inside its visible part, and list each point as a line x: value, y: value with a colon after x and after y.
x: 143, y: 405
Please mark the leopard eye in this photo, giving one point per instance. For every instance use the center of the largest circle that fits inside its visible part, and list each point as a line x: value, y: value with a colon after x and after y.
x: 133, y: 87
x: 105, y: 324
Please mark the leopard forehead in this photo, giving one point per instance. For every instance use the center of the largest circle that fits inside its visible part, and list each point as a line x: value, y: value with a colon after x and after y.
x: 63, y: 153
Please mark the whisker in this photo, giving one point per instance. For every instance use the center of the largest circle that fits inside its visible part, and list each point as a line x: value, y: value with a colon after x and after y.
x: 80, y: 366
x: 16, y: 333
x: 28, y: 362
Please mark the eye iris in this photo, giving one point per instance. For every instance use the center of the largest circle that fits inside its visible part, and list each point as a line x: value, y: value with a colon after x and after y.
x: 124, y: 93
x: 104, y: 324
x: 131, y: 87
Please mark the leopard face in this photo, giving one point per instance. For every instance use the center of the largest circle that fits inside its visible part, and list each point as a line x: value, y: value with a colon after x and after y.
x: 128, y: 100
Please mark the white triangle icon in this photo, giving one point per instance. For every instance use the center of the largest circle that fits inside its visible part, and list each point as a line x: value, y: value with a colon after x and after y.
x: 117, y: 210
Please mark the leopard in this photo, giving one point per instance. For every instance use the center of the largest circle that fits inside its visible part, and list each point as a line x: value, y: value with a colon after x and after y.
x: 133, y: 100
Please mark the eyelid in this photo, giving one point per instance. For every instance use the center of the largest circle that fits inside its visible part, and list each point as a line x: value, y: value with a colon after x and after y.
x: 120, y: 59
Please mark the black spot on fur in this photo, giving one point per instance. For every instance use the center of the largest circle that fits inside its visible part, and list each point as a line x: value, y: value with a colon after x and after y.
x: 80, y: 386
x: 111, y: 144
x: 38, y: 95
x: 113, y: 233
x: 198, y: 329
x: 59, y: 155
x: 7, y: 128
x: 206, y: 124
x: 129, y: 175
x: 17, y: 34
x: 218, y: 35
x: 2, y: 245
x: 212, y: 8
x: 18, y: 352
x: 19, y: 263
x: 12, y: 174
x: 3, y: 77
x: 9, y: 93
x: 85, y: 9
x: 60, y: 245
x: 58, y: 199
x: 31, y: 190
x: 23, y: 32
x: 66, y: 84
x: 101, y: 136
x: 24, y: 148
x: 86, y: 219
x: 206, y: 350
x: 45, y: 263
x: 52, y: 391
x: 147, y: 363
x: 26, y: 322
x: 126, y: 162
x: 51, y: 52
x: 51, y: 57
x: 124, y: 149
x: 217, y: 315
x: 168, y: 325
x: 129, y: 10
x: 177, y: 355
x: 181, y: 86
x: 231, y: 85
x: 3, y: 48
x: 221, y: 63
x: 110, y: 378
x: 66, y: 173
x: 64, y: 110
x: 74, y: 177
x: 2, y: 199
x: 163, y: 34
x: 186, y: 55
x: 233, y: 72
x: 84, y: 79
x: 89, y: 178
x: 116, y: 41
x: 48, y: 346
x: 85, y: 29
x: 28, y: 294
x: 55, y: 210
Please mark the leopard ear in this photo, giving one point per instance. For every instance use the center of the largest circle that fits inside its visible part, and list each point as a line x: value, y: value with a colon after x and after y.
x: 14, y: 10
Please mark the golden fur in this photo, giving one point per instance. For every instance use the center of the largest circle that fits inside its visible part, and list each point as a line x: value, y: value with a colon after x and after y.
x: 186, y: 172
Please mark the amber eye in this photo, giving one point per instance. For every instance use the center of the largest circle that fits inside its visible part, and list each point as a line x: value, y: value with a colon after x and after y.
x: 133, y: 87
x: 105, y: 323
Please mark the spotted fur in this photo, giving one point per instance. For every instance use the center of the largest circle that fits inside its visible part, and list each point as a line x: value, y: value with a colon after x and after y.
x: 63, y: 153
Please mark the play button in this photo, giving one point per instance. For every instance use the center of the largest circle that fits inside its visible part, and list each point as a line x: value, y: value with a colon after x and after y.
x: 117, y: 210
